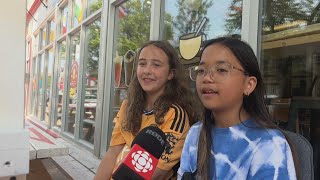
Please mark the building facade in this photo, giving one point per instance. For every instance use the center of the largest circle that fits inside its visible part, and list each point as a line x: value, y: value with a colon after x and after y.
x: 80, y: 56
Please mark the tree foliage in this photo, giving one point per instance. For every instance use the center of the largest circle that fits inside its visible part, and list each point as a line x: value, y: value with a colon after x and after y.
x: 93, y: 35
x: 134, y: 28
x: 234, y: 21
x: 190, y: 14
x: 278, y: 12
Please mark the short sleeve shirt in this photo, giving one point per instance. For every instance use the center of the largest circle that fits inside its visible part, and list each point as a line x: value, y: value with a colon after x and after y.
x: 243, y: 151
x: 175, y: 127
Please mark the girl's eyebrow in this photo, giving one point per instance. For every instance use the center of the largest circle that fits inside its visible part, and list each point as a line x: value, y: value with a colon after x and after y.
x: 218, y: 62
x: 222, y: 62
x: 143, y: 59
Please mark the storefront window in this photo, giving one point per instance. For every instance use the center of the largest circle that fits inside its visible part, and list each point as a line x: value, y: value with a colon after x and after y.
x: 73, y: 80
x: 87, y: 124
x: 35, y: 45
x: 64, y: 20
x: 44, y: 37
x: 290, y: 60
x: 40, y: 90
x: 52, y: 30
x: 34, y: 86
x: 60, y: 85
x: 132, y: 30
x: 93, y: 6
x: 48, y: 85
x: 77, y: 12
x: 182, y: 17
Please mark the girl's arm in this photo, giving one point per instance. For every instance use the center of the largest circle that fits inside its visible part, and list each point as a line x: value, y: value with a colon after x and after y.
x: 106, y: 166
x: 185, y: 161
x: 160, y: 174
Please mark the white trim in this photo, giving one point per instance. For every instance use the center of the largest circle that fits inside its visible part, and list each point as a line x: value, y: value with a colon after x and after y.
x: 250, y: 22
x: 155, y: 20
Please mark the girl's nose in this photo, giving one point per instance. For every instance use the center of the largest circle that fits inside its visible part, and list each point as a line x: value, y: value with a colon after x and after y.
x: 207, y: 78
x: 147, y: 69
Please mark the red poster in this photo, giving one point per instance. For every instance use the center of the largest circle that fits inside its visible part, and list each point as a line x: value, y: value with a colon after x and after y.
x: 74, y: 74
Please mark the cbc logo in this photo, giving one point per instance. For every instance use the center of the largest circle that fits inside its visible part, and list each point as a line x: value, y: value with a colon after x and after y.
x: 141, y: 161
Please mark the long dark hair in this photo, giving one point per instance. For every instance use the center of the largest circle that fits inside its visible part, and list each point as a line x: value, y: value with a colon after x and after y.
x: 176, y: 92
x: 254, y: 104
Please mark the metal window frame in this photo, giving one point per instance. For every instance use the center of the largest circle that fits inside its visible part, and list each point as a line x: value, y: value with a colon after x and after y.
x: 81, y: 27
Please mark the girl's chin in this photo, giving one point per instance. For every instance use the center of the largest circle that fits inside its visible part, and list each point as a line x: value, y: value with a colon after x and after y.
x: 209, y: 105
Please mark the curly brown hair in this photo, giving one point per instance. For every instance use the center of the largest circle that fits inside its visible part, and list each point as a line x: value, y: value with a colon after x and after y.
x: 176, y: 92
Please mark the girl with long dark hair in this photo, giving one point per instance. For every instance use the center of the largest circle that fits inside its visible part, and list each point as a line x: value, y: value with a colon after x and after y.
x: 237, y: 138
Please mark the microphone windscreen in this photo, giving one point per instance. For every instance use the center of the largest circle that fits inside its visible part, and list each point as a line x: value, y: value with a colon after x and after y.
x: 152, y: 139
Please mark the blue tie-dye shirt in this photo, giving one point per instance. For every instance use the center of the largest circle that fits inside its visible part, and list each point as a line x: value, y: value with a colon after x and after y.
x: 242, y: 152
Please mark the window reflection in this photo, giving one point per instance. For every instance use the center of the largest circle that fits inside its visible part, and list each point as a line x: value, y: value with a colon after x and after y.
x: 35, y: 45
x: 290, y: 63
x: 44, y: 37
x: 93, y: 6
x: 77, y: 12
x: 184, y: 16
x: 87, y: 125
x: 73, y: 80
x: 60, y: 85
x: 52, y: 30
x: 132, y: 23
x: 34, y: 86
x: 40, y: 89
x: 64, y: 20
x: 48, y: 94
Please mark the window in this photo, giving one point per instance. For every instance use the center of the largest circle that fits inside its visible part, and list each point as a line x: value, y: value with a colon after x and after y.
x: 87, y: 125
x: 48, y: 93
x: 60, y: 85
x: 44, y: 37
x: 93, y: 6
x: 77, y: 12
x: 35, y: 48
x: 41, y: 85
x: 182, y: 17
x: 33, y: 87
x: 52, y: 31
x: 64, y: 20
x: 132, y: 29
x: 73, y: 80
x: 290, y: 61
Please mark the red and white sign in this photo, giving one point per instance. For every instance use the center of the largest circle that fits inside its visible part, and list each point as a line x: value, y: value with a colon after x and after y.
x: 74, y: 74
x: 141, y: 161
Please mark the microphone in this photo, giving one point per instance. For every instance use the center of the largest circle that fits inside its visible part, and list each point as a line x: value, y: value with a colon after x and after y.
x: 141, y: 162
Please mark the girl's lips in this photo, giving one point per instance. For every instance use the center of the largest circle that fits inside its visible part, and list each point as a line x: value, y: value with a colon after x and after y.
x: 208, y: 91
x: 147, y: 80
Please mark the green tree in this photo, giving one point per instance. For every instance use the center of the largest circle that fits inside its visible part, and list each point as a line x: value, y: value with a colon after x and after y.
x: 168, y: 28
x: 234, y: 21
x: 93, y: 34
x: 134, y: 28
x: 190, y: 14
x: 277, y: 12
x: 95, y: 6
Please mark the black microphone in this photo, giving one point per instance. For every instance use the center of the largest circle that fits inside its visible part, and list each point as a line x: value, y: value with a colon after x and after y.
x: 142, y: 160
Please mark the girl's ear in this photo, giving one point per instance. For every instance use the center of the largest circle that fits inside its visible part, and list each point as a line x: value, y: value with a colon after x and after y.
x: 251, y: 84
x: 171, y: 74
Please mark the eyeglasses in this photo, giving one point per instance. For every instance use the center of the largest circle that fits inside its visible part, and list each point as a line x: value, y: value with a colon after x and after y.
x: 218, y: 72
